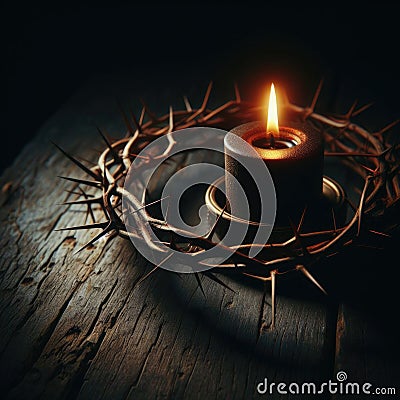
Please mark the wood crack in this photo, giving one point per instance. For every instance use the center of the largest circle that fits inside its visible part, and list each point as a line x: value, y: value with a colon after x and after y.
x: 42, y: 341
x: 153, y: 345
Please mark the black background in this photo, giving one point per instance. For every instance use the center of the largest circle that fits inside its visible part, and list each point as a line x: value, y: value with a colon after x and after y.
x: 49, y: 52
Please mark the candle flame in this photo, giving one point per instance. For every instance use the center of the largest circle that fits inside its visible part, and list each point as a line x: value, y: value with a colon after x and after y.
x: 272, y: 120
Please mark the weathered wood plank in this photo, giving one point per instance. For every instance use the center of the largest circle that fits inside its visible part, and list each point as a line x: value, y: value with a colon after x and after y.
x: 79, y: 325
x: 367, y: 347
x: 366, y: 354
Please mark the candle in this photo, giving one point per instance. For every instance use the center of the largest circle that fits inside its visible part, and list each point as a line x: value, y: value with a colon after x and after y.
x: 293, y: 154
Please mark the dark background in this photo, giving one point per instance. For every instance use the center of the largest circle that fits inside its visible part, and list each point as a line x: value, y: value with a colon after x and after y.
x: 48, y: 53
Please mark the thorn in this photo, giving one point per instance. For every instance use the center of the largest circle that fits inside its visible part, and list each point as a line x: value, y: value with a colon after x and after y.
x: 143, y: 278
x: 83, y: 201
x: 89, y: 210
x: 78, y: 227
x: 334, y: 220
x: 332, y: 254
x: 307, y: 274
x: 112, y: 150
x: 370, y: 170
x: 261, y: 278
x: 142, y: 114
x: 126, y: 119
x: 350, y: 203
x: 285, y: 98
x: 301, y: 219
x: 196, y: 274
x: 151, y: 115
x: 387, y: 127
x: 154, y: 269
x: 104, y: 175
x: 172, y: 242
x: 187, y: 104
x: 380, y: 233
x: 360, y: 208
x: 216, y: 279
x: 316, y: 95
x: 361, y: 109
x: 149, y: 204
x: 203, y: 106
x: 106, y: 230
x: 214, y: 227
x: 167, y: 212
x: 78, y: 163
x: 273, y: 297
x: 137, y: 124
x: 386, y: 151
x: 298, y: 239
x: 261, y: 314
x: 78, y: 194
x: 349, y: 113
x: 171, y: 120
x: 207, y: 96
x: 139, y: 156
x: 237, y: 93
x: 349, y: 242
x: 218, y: 110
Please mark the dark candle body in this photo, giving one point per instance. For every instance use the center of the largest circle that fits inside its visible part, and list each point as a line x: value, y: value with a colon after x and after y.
x: 295, y: 165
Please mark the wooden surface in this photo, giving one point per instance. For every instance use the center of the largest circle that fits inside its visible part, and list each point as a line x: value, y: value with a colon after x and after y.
x: 80, y: 326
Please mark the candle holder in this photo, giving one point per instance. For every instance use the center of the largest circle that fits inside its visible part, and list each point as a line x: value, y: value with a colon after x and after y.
x: 370, y: 156
x: 332, y: 202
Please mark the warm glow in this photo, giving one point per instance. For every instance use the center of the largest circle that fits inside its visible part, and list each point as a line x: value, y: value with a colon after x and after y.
x: 272, y: 119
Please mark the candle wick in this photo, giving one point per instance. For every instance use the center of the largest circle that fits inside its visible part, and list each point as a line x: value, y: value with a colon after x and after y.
x: 271, y: 140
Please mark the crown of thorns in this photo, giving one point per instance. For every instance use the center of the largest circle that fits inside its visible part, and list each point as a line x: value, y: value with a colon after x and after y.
x: 370, y: 155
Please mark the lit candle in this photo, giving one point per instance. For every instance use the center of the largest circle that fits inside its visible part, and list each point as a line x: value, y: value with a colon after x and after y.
x: 293, y: 154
